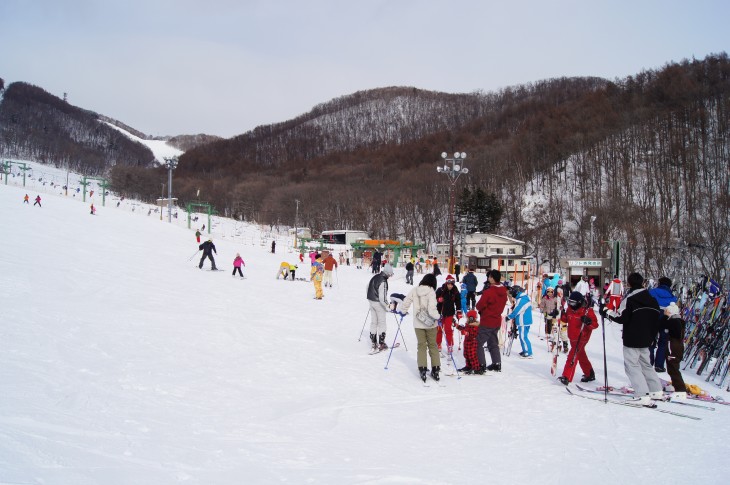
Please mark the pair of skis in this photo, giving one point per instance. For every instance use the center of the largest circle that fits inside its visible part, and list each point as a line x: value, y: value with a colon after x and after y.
x: 626, y: 392
x: 378, y: 350
x: 626, y: 403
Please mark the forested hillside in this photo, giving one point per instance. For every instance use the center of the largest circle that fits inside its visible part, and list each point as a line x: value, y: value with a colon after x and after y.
x: 646, y: 155
x: 35, y: 125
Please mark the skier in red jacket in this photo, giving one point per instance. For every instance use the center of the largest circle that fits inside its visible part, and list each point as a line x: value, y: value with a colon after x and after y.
x: 581, y: 322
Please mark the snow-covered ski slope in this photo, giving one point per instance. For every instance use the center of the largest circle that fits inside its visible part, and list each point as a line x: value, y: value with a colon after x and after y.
x: 123, y: 363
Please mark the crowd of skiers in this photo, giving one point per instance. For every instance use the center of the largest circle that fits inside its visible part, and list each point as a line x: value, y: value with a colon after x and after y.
x: 650, y: 320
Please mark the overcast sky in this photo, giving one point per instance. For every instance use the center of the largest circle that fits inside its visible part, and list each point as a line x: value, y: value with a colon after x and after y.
x: 223, y: 67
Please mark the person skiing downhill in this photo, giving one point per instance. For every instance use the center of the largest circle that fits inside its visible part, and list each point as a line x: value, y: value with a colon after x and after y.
x: 25, y: 199
x: 581, y: 322
x: 208, y: 249
x: 377, y: 296
x: 522, y: 315
x: 237, y: 263
x: 197, y: 235
x: 38, y: 201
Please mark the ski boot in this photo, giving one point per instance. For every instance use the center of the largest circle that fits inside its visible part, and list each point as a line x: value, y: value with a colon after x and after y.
x: 435, y: 372
x: 495, y: 367
x: 381, y: 342
x: 466, y: 370
x: 480, y: 371
x: 422, y: 371
x: 374, y: 340
x: 590, y: 377
x: 564, y: 380
x: 565, y: 347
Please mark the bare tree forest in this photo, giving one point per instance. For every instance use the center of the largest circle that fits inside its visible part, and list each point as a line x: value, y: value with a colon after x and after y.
x: 35, y: 125
x: 646, y: 155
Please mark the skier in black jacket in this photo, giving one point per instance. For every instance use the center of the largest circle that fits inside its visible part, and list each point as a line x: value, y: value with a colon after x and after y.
x: 639, y: 314
x: 208, y: 249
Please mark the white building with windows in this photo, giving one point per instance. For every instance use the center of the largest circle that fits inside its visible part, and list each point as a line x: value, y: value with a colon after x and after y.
x: 490, y: 251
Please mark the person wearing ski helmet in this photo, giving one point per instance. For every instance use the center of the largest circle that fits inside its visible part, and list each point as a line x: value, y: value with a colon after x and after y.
x: 581, y: 322
x: 423, y: 297
x: 208, y: 249
x: 449, y: 305
x: 522, y: 315
x: 377, y: 296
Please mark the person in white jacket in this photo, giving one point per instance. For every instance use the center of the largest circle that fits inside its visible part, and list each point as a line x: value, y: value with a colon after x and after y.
x: 425, y: 323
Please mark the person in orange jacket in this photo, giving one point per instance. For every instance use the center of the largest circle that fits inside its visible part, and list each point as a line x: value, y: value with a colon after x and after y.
x: 329, y: 263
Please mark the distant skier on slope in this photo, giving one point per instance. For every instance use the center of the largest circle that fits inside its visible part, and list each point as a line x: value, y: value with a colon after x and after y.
x: 208, y: 249
x: 237, y: 263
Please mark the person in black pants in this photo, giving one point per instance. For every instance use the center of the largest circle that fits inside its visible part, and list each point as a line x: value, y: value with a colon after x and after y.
x: 208, y: 249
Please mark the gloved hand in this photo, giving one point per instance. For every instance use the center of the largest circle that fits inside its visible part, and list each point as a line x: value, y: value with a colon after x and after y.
x: 440, y: 299
x: 554, y: 313
x: 603, y: 312
x: 585, y: 320
x: 458, y: 314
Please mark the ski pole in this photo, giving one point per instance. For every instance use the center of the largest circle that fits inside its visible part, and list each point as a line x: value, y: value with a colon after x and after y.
x: 363, y: 324
x: 605, y: 368
x: 394, y: 341
x: 196, y: 252
x: 401, y: 331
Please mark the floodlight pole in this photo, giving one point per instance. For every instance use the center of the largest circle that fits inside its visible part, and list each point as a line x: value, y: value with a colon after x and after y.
x: 171, y: 164
x: 453, y: 168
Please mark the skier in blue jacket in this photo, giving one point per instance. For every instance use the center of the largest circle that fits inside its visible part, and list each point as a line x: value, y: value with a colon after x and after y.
x: 664, y: 296
x: 522, y: 315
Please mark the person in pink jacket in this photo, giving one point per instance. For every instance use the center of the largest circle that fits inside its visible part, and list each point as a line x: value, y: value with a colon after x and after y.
x: 237, y: 263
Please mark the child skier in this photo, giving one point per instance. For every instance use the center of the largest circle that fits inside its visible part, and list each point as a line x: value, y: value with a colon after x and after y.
x: 237, y: 263
x: 522, y: 315
x: 470, y: 328
x: 581, y: 322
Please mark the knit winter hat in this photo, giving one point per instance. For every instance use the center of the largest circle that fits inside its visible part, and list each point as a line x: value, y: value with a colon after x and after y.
x: 671, y: 310
x: 450, y: 279
x: 388, y: 270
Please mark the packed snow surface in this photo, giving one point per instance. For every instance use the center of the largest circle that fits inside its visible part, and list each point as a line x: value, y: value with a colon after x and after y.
x: 121, y: 362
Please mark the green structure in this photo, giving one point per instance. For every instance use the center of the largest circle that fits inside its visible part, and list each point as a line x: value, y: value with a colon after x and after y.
x: 103, y: 183
x: 396, y: 248
x: 6, y: 168
x: 204, y: 205
x: 304, y: 244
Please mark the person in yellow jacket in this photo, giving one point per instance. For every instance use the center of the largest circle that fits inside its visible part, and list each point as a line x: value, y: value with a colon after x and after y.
x: 283, y: 270
x: 292, y: 271
x: 316, y: 274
